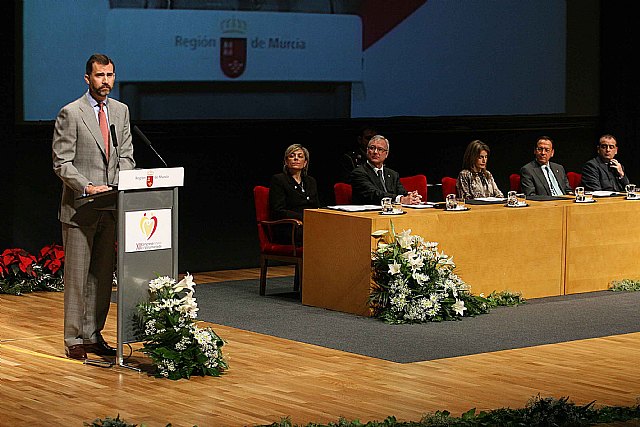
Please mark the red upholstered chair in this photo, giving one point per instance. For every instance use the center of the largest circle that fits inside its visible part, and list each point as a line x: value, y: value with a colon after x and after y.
x: 575, y: 179
x: 416, y: 183
x: 448, y: 186
x: 514, y: 182
x: 270, y: 250
x: 342, y: 191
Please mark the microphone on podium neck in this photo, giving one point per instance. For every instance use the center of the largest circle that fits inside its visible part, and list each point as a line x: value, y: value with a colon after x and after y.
x: 142, y: 136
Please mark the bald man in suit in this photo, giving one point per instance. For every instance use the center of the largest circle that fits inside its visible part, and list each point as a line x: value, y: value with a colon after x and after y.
x: 87, y: 158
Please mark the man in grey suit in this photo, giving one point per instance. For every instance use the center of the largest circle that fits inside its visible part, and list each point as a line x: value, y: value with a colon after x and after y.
x: 604, y: 172
x: 542, y: 177
x: 91, y: 143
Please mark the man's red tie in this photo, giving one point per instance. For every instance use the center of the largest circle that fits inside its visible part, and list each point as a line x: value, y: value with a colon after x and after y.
x: 104, y: 128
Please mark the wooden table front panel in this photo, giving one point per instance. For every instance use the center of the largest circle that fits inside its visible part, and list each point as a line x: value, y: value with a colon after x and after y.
x: 337, y: 261
x: 603, y: 244
x: 494, y: 248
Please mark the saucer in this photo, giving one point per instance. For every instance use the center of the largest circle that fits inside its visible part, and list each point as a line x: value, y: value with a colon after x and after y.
x: 458, y: 209
x: 392, y: 213
x: 586, y: 201
x: 519, y: 205
x: 632, y: 198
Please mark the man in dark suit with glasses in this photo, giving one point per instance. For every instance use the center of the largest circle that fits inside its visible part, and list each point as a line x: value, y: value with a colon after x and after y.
x: 604, y: 172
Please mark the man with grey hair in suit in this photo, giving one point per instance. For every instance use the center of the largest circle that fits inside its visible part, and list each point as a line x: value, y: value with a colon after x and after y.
x: 372, y: 180
x: 91, y: 144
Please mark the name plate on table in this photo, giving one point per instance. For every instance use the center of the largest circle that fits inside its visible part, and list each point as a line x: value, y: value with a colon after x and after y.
x: 137, y: 179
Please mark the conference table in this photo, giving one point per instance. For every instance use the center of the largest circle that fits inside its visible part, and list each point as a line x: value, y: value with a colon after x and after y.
x: 547, y: 248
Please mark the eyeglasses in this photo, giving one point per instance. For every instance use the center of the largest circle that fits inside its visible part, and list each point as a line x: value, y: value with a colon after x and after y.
x: 605, y: 146
x: 543, y: 149
x: 378, y: 149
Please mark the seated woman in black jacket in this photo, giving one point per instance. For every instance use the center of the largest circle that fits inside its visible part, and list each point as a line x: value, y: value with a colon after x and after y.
x: 292, y: 191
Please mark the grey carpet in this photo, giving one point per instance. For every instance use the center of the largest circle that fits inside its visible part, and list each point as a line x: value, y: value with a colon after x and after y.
x: 539, y: 321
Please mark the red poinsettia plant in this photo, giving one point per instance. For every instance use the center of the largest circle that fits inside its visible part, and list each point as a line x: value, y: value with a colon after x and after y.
x: 52, y: 259
x: 22, y: 272
x: 16, y: 262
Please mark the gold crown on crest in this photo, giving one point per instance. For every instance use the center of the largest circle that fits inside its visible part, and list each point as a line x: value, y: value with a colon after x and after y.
x: 233, y: 25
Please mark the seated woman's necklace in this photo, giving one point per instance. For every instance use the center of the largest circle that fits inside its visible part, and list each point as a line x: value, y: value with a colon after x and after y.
x: 301, y: 184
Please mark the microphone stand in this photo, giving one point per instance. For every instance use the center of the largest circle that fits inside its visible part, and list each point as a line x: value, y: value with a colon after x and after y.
x: 142, y: 136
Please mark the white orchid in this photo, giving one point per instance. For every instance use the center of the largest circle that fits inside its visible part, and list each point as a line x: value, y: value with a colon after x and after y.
x: 404, y: 239
x: 188, y: 305
x: 394, y: 268
x: 459, y: 307
x: 186, y: 283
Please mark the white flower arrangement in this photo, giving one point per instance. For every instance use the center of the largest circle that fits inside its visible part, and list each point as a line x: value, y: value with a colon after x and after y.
x: 414, y: 282
x: 166, y: 324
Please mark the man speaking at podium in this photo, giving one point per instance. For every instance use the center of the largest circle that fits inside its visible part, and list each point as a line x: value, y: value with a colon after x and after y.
x: 91, y: 144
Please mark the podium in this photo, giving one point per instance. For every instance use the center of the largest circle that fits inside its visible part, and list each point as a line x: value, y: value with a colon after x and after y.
x: 147, y: 236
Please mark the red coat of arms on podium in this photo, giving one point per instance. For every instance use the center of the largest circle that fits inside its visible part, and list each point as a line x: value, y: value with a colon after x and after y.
x: 233, y: 50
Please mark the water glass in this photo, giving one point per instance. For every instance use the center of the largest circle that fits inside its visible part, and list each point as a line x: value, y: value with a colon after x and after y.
x: 579, y: 192
x: 451, y: 202
x: 631, y: 191
x: 512, y: 198
x: 396, y: 207
x: 460, y: 203
x: 522, y: 199
x: 386, y: 205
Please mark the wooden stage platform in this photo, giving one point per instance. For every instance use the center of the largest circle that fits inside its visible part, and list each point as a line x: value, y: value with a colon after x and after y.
x: 271, y: 378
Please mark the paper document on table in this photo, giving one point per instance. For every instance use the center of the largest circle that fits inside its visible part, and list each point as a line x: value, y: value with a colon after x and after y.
x: 355, y: 208
x: 490, y: 199
x: 603, y: 193
x: 420, y: 206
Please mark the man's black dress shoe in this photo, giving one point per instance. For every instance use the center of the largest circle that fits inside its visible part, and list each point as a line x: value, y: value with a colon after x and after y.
x: 101, y: 348
x: 76, y: 352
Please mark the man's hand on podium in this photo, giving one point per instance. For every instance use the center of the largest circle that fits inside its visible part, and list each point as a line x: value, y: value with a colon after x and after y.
x: 95, y: 189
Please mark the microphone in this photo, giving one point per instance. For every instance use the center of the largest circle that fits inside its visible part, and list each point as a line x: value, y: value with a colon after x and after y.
x: 142, y: 136
x: 113, y: 136
x: 114, y: 139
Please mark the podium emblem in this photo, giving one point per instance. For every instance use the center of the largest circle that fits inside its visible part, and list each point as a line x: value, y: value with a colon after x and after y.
x: 148, y: 225
x: 150, y: 179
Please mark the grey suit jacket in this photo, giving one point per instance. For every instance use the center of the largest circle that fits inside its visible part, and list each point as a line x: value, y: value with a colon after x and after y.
x: 533, y: 181
x: 597, y: 175
x: 79, y: 155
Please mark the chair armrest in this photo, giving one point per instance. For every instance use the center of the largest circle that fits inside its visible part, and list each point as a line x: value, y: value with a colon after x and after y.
x: 294, y: 223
